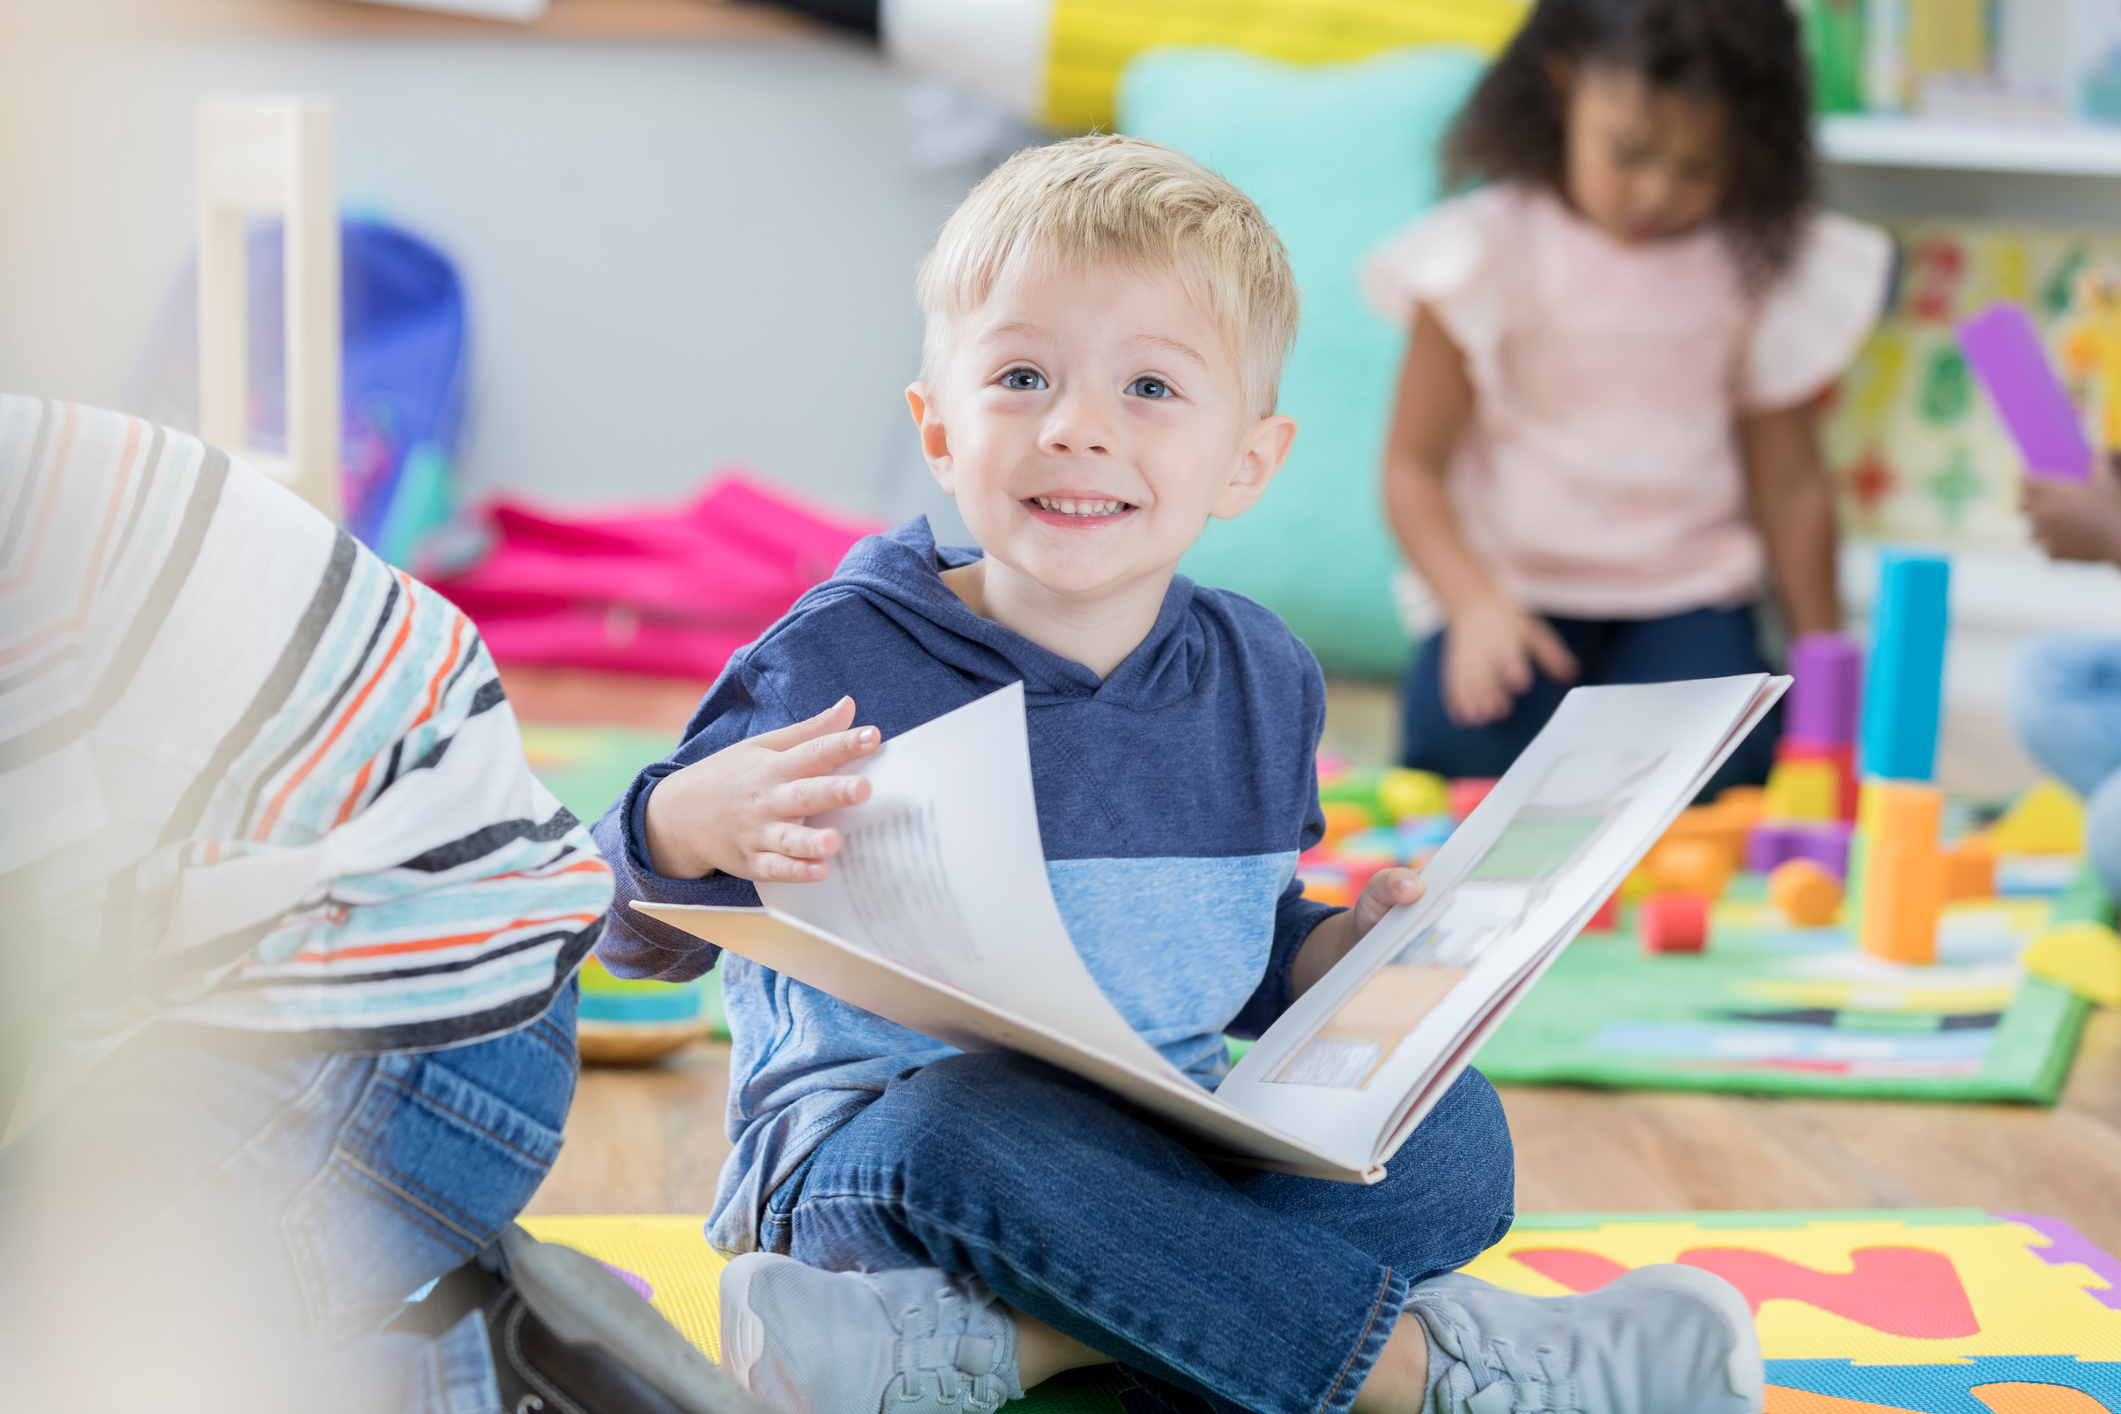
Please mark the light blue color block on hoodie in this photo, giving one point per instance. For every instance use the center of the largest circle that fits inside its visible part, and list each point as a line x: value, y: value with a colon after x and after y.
x: 1905, y: 693
x: 1340, y: 157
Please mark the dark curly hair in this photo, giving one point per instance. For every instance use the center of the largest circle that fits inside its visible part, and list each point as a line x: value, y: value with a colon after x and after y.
x: 1744, y: 54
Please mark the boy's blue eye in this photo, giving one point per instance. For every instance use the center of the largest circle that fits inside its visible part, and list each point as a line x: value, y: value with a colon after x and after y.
x: 1024, y: 380
x: 1149, y: 388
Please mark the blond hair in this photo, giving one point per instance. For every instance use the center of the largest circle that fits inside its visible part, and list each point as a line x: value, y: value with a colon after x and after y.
x: 1089, y: 200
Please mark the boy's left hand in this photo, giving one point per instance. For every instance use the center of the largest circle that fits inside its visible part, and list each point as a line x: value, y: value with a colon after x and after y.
x: 1387, y: 889
x: 1332, y: 939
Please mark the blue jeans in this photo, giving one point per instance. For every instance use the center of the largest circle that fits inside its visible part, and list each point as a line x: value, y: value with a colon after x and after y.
x: 260, y: 1219
x: 1246, y: 1290
x: 1701, y: 643
x: 2066, y: 706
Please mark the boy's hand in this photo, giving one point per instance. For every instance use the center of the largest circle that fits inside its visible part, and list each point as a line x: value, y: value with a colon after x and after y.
x: 741, y: 810
x: 1489, y: 654
x: 1387, y: 889
x: 2076, y: 521
x: 1331, y: 940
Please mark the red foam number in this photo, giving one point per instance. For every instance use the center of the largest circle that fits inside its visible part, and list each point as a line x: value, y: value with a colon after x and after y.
x: 1905, y: 1291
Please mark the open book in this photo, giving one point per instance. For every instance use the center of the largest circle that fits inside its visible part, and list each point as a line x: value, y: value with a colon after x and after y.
x: 937, y: 915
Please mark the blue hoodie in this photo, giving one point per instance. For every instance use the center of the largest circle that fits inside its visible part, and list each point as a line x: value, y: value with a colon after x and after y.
x: 1173, y: 799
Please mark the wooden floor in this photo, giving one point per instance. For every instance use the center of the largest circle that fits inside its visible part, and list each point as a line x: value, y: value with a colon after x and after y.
x: 650, y: 1140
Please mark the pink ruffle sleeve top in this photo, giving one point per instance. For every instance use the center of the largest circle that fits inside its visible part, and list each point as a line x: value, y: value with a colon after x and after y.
x: 1600, y: 474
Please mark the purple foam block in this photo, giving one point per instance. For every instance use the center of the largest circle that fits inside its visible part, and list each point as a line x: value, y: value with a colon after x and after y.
x: 2004, y: 350
x: 1767, y: 846
x: 1825, y: 702
x: 1824, y: 842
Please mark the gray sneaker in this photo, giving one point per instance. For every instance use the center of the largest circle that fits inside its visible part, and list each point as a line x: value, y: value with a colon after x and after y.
x: 918, y: 1341
x: 1658, y: 1340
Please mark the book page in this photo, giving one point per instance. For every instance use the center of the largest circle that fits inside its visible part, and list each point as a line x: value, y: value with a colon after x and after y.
x: 1375, y: 1041
x: 941, y: 870
x: 1576, y: 801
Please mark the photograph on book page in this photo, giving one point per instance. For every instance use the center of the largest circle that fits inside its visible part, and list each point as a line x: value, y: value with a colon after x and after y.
x: 1574, y: 804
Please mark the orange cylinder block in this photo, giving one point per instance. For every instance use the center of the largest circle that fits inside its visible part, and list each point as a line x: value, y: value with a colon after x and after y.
x: 1903, y: 893
x: 1970, y: 868
x: 1700, y: 865
x: 1807, y: 895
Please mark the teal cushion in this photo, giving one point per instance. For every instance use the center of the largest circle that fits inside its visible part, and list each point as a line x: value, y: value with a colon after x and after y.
x: 1339, y: 157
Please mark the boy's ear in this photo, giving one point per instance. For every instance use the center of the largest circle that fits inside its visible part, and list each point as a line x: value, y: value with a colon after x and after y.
x: 935, y: 438
x: 1264, y: 452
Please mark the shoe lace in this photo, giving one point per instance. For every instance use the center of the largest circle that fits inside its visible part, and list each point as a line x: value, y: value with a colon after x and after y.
x: 1513, y: 1385
x: 938, y: 1342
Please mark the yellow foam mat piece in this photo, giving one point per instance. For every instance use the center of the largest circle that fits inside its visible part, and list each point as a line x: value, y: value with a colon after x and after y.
x: 1876, y: 1288
x: 1093, y: 40
x: 669, y: 1252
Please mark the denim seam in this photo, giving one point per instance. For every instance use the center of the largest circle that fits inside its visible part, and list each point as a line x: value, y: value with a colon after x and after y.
x: 433, y: 1103
x: 1375, y: 1307
x: 375, y: 1177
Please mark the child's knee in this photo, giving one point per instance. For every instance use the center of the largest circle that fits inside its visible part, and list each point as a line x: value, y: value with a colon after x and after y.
x: 1477, y: 1131
x: 967, y: 1102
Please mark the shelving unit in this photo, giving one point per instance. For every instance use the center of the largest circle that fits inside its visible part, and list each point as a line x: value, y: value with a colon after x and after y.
x: 1968, y: 145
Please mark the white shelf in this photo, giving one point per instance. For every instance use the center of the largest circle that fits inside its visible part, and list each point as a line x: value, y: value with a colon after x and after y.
x: 1967, y: 145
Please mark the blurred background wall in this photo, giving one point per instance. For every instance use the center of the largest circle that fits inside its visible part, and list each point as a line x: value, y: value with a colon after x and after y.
x: 677, y: 251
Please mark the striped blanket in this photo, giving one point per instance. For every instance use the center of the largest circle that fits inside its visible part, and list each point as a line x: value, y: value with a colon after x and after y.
x: 256, y: 779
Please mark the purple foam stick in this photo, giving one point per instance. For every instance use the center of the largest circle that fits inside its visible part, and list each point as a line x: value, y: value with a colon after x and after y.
x: 2004, y: 349
x: 1826, y: 698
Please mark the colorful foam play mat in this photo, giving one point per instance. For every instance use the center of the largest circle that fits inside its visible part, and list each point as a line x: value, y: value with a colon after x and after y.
x: 1951, y: 1311
x: 1769, y: 1008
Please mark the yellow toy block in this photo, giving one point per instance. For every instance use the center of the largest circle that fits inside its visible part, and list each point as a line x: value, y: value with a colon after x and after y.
x: 1803, y: 790
x: 2047, y: 819
x: 2084, y: 957
x: 1403, y: 793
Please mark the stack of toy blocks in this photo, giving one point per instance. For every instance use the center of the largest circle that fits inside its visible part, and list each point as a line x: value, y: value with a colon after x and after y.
x: 1896, y: 878
x: 1811, y: 793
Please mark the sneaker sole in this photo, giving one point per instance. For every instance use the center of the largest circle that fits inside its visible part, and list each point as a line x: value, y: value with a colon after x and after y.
x: 743, y: 1334
x: 1746, y: 1371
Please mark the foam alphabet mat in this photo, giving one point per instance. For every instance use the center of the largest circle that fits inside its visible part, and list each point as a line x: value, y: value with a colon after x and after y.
x: 1949, y: 1311
x: 1775, y: 1009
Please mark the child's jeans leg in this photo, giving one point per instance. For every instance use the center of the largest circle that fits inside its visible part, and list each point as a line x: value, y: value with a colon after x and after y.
x: 259, y: 1219
x: 1431, y: 741
x: 1256, y: 1292
x: 2066, y: 707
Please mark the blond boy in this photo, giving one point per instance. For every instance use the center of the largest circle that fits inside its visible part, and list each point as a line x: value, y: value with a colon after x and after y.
x: 930, y: 1230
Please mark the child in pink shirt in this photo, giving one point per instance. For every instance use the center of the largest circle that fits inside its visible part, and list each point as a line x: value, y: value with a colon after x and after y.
x: 1603, y: 442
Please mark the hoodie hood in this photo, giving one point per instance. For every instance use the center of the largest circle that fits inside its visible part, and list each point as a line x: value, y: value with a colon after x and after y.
x: 900, y: 573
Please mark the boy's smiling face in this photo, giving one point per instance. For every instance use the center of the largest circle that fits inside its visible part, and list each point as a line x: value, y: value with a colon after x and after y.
x: 1089, y: 422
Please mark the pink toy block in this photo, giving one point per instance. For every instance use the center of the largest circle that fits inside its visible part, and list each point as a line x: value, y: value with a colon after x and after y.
x: 1673, y: 923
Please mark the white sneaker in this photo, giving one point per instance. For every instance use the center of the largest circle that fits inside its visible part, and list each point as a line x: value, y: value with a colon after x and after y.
x: 1658, y: 1340
x: 918, y: 1341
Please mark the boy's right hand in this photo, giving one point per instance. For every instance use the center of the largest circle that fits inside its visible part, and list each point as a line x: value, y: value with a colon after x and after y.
x: 1489, y: 655
x: 741, y: 810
